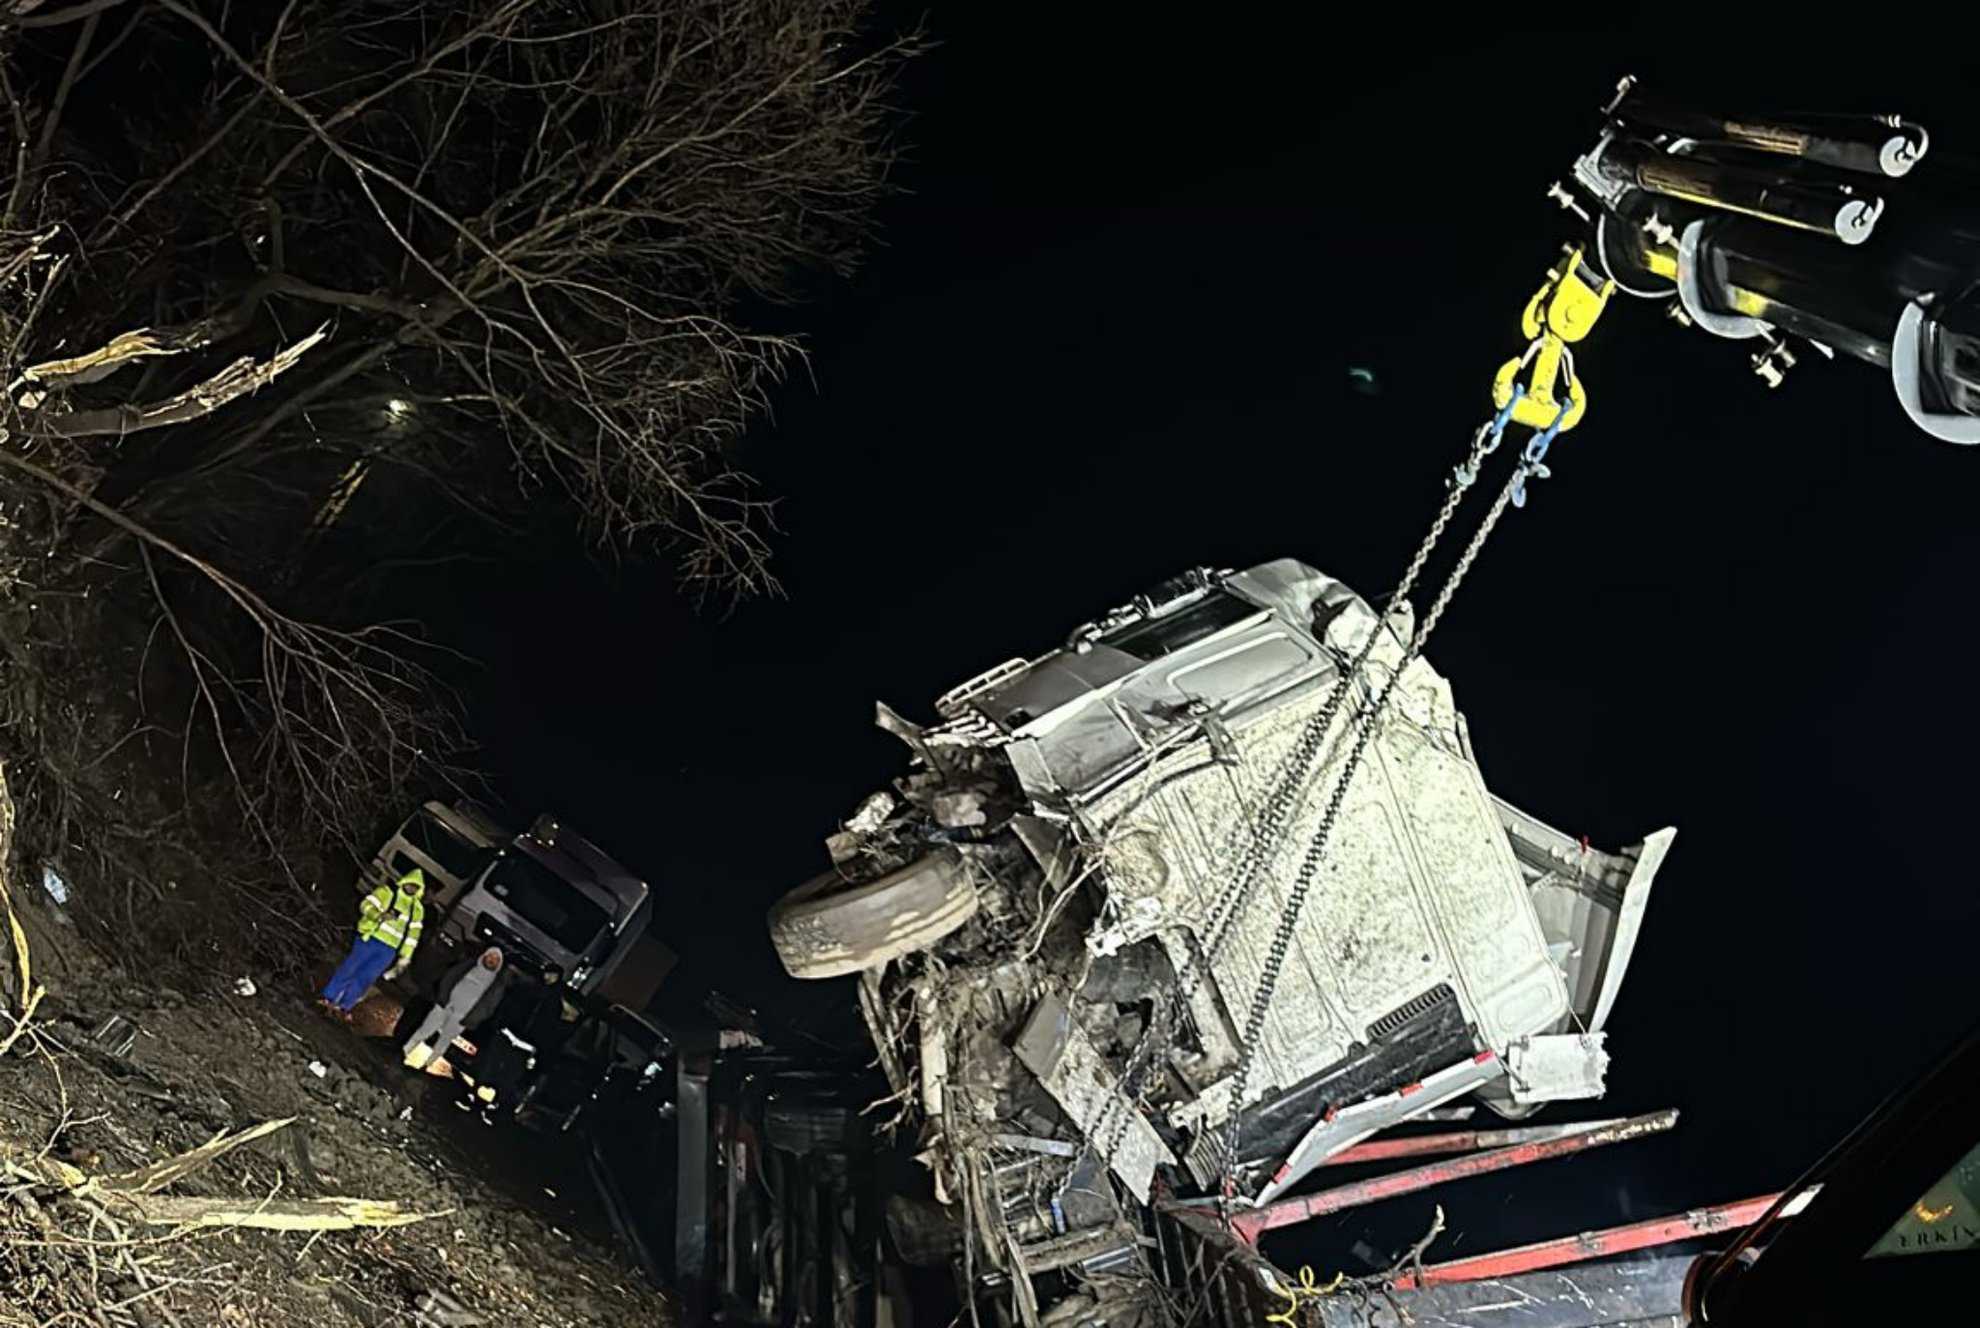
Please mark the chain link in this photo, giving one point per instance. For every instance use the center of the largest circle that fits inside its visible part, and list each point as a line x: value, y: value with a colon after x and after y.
x: 1368, y: 719
x: 1266, y: 832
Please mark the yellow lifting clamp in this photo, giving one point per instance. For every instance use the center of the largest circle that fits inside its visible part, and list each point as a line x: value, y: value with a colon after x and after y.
x: 1560, y: 312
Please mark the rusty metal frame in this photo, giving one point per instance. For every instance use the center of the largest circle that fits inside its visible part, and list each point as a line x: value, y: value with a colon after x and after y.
x: 1251, y: 1224
x: 1603, y: 1244
x: 1453, y: 1141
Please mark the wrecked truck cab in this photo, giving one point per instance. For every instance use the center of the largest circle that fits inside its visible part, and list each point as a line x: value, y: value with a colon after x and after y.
x: 1062, y: 913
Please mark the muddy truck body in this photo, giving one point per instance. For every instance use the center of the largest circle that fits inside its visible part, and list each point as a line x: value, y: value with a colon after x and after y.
x: 1159, y: 924
x: 1061, y: 915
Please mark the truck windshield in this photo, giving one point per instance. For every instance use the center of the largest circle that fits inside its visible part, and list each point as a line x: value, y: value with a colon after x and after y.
x: 448, y: 851
x: 1153, y: 638
x: 547, y: 902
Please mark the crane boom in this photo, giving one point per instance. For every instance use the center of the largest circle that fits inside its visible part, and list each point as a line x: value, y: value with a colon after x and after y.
x: 1831, y: 233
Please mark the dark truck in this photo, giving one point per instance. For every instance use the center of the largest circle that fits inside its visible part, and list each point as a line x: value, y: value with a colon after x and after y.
x: 547, y: 896
x: 550, y: 899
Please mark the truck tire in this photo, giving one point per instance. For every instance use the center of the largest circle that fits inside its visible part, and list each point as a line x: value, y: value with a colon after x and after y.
x: 827, y: 928
x: 799, y: 1126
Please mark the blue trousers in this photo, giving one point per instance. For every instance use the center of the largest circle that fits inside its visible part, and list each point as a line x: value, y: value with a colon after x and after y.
x: 364, y: 965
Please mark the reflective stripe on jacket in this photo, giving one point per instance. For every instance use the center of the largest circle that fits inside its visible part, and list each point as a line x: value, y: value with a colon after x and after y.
x: 393, y: 914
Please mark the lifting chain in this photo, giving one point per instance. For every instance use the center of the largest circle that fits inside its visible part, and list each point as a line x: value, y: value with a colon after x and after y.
x: 1365, y: 722
x: 1524, y: 391
x: 1268, y: 829
x: 1266, y: 833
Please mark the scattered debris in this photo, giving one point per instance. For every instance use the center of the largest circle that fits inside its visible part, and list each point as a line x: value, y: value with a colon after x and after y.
x: 244, y: 987
x: 52, y: 882
x: 123, y: 1156
x: 115, y: 1036
x: 437, y: 1307
x: 961, y: 808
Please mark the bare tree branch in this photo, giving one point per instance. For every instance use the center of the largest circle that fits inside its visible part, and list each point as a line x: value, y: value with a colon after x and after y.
x: 546, y: 236
x: 243, y: 376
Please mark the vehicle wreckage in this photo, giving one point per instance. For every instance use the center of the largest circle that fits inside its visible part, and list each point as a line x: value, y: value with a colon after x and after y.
x: 1165, y: 921
x: 1161, y: 922
x: 1055, y: 958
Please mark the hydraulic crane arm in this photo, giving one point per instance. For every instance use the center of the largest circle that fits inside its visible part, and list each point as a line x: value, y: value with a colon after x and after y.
x: 1788, y: 232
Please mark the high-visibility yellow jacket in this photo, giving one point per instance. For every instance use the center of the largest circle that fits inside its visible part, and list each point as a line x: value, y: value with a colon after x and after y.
x: 394, y: 915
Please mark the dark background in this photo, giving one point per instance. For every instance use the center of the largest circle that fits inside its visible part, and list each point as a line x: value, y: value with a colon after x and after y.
x: 1107, y: 338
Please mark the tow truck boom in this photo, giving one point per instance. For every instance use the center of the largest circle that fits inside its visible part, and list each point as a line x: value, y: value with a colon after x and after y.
x: 1788, y: 232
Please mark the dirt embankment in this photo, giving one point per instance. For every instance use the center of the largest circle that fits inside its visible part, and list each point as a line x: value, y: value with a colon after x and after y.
x: 498, y: 1245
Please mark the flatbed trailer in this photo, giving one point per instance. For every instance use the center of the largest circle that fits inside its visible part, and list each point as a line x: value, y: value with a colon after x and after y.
x: 1628, y: 1276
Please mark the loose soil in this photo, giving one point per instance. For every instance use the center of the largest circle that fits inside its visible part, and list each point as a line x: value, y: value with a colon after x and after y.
x: 513, y: 1238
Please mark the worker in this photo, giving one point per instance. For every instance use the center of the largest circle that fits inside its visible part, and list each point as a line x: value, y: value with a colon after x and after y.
x: 390, y: 920
x: 464, y: 991
x: 507, y: 1045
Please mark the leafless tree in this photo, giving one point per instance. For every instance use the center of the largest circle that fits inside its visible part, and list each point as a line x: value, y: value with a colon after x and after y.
x: 284, y: 283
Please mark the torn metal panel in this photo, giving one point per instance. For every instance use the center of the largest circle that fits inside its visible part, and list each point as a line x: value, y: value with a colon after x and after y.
x: 1077, y: 1247
x: 890, y: 720
x: 1043, y: 1040
x: 1351, y: 1125
x: 1291, y: 1212
x: 1629, y: 921
x: 1032, y: 1143
x: 1416, y: 816
x: 1447, y: 1114
x: 1557, y: 1067
x: 1049, y: 847
x: 1590, y: 903
x: 1055, y: 1048
x: 1415, y: 1043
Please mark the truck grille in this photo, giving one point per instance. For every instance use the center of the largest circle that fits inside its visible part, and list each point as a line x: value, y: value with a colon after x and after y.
x: 1410, y: 1011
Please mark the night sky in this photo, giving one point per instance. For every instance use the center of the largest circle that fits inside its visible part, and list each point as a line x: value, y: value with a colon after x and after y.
x: 1108, y: 338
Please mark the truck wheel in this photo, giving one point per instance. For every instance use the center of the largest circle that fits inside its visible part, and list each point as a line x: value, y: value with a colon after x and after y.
x: 827, y: 928
x: 802, y: 1127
